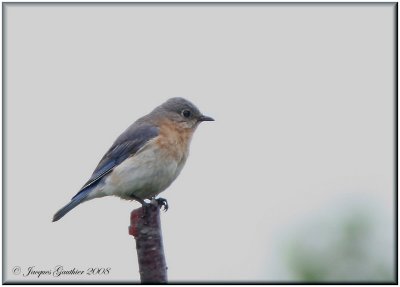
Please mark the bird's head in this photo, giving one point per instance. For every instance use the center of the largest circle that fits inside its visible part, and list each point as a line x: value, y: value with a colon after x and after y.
x: 183, y: 112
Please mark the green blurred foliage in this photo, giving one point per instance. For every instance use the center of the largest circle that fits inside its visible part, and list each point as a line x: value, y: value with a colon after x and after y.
x: 340, y: 251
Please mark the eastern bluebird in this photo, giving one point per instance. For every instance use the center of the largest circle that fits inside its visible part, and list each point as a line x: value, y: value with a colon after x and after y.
x: 146, y: 158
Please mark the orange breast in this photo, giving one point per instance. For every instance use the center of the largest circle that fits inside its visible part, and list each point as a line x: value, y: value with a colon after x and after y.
x: 174, y: 140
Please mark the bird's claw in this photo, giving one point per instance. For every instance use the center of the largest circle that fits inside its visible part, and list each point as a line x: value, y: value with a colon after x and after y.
x: 162, y: 203
x: 158, y: 202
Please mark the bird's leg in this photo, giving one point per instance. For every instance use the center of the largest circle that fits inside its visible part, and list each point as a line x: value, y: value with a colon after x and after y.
x: 161, y: 202
x: 138, y: 199
x: 143, y: 203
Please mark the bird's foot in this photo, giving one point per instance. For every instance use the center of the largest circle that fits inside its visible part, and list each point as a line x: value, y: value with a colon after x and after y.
x: 144, y: 204
x: 156, y: 202
x: 162, y: 203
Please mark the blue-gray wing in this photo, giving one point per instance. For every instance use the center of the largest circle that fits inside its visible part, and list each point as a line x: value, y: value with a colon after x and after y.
x: 126, y: 145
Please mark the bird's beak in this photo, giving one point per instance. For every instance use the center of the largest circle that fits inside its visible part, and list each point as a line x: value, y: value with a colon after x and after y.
x: 204, y: 118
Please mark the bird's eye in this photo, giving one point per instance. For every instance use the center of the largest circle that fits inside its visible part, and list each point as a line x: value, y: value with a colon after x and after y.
x: 186, y: 113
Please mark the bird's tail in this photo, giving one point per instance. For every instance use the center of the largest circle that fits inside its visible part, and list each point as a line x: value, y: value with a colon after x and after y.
x: 75, y: 201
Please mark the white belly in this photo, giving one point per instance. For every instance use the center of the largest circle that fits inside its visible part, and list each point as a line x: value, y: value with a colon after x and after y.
x: 144, y: 175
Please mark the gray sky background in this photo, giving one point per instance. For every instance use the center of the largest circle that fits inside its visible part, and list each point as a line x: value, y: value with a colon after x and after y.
x: 303, y: 97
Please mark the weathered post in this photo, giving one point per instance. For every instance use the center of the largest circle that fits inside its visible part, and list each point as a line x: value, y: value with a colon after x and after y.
x: 146, y: 228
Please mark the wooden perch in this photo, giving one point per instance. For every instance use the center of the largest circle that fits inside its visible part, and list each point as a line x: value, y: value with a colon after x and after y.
x: 146, y: 228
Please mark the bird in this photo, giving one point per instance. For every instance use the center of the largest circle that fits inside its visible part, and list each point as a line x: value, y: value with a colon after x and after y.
x: 146, y: 158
